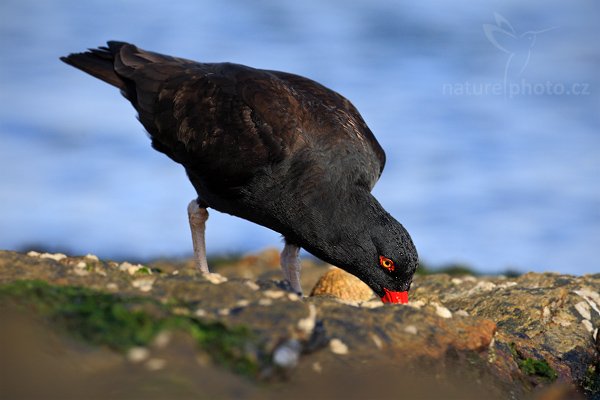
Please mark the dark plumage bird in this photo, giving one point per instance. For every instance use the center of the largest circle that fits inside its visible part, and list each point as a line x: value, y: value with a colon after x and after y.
x: 274, y: 148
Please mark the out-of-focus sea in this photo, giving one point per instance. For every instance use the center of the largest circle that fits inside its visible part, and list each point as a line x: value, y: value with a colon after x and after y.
x: 489, y: 113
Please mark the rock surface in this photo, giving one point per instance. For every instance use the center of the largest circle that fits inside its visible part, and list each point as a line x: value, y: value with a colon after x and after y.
x: 219, y: 336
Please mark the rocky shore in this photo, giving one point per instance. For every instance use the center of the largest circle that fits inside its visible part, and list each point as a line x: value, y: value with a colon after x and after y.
x: 89, y: 328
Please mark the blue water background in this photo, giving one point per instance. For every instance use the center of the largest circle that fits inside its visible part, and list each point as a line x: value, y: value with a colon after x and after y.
x: 479, y: 177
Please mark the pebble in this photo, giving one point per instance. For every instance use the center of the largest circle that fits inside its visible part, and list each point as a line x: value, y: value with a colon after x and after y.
x: 81, y: 264
x: 274, y: 294
x: 506, y: 285
x: 200, y: 313
x: 55, y: 257
x: 584, y: 310
x: 144, y: 284
x: 293, y: 297
x: 546, y: 314
x: 377, y: 341
x: 411, y: 329
x: 456, y: 281
x: 80, y: 272
x: 265, y: 302
x: 469, y: 278
x: 307, y: 325
x: 91, y: 257
x: 138, y: 354
x: 462, y: 313
x: 131, y: 269
x: 214, y: 278
x: 442, y: 311
x: 588, y: 325
x: 416, y: 304
x: 252, y: 285
x: 317, y: 367
x: 287, y: 354
x: 482, y: 286
x: 337, y: 346
x: 242, y: 303
x: 176, y: 272
x: 591, y: 297
x: 33, y: 254
x: 561, y: 321
x: 162, y: 340
x: 112, y: 286
x: 589, y: 293
x: 342, y: 285
x: 372, y: 304
x: 154, y: 364
x: 181, y: 311
x: 224, y: 312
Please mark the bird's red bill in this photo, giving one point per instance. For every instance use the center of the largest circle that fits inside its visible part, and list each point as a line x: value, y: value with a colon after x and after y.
x: 394, y: 297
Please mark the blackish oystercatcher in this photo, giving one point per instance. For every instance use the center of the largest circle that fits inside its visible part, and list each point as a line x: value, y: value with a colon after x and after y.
x: 271, y: 147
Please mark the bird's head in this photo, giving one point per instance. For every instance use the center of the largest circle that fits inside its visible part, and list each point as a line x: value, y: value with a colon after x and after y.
x: 384, y: 257
x: 392, y: 264
x: 366, y: 241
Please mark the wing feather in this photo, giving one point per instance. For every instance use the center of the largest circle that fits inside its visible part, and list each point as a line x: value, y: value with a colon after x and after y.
x: 224, y: 122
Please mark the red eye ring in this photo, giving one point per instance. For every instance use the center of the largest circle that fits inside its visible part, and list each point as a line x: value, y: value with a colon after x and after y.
x: 386, y: 263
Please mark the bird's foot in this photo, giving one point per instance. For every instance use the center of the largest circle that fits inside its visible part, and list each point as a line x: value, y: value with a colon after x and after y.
x: 287, y: 286
x: 215, y: 278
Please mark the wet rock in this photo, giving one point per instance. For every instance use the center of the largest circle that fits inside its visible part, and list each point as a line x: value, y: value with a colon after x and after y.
x: 543, y: 318
x: 507, y: 338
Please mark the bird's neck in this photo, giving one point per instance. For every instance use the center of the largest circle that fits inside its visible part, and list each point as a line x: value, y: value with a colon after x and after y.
x: 338, y: 228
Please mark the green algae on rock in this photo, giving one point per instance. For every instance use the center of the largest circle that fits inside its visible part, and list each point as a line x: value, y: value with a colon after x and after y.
x: 532, y: 366
x: 123, y: 322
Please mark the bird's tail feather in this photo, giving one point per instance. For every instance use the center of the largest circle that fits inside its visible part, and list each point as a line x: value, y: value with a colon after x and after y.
x: 99, y: 63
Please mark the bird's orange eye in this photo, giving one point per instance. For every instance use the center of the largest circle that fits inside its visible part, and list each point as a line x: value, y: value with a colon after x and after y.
x: 386, y: 263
